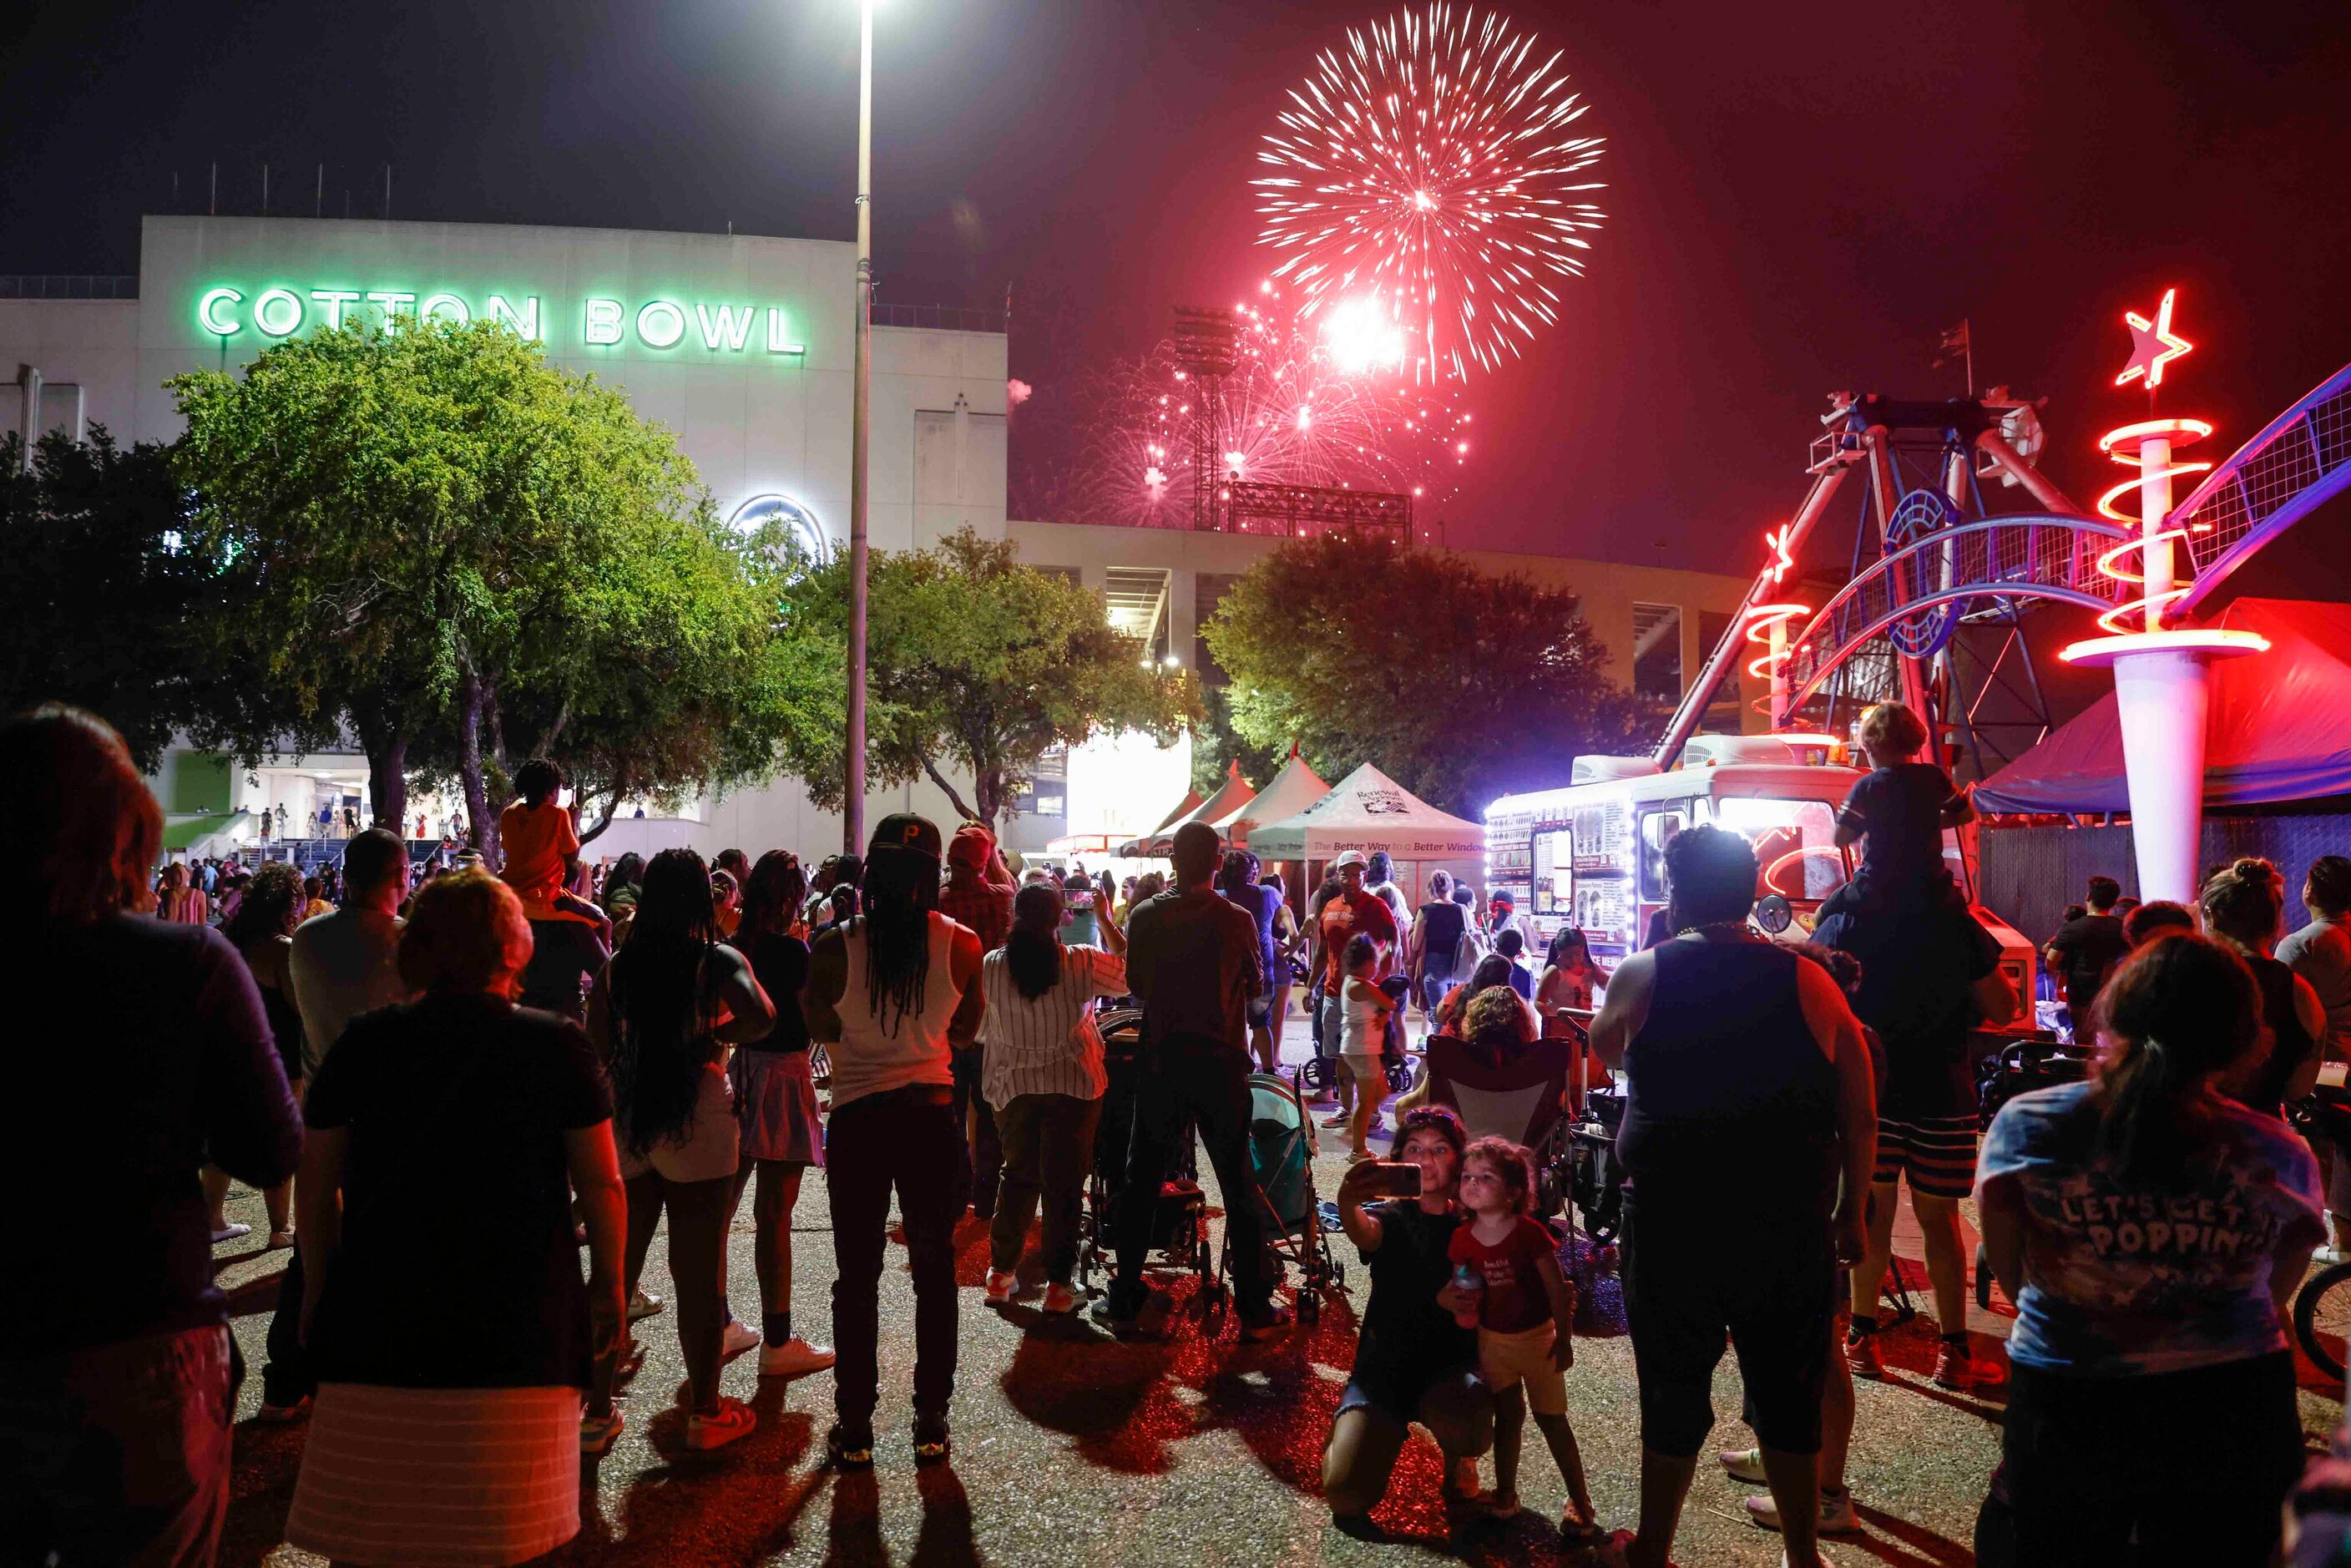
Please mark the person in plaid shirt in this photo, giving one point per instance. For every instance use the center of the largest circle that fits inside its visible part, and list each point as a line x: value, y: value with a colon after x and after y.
x: 979, y: 894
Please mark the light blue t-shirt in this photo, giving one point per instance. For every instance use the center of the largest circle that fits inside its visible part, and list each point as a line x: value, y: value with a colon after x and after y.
x: 2128, y: 1277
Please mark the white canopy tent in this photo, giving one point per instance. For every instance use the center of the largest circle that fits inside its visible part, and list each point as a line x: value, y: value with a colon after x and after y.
x: 1368, y: 810
x: 1292, y: 790
x: 1231, y: 795
x: 1141, y: 846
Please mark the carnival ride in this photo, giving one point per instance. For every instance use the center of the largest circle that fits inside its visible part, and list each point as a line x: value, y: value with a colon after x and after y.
x: 1932, y: 610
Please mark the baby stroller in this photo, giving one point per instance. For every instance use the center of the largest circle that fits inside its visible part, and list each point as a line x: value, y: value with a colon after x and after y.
x: 1281, y: 1165
x: 1179, y: 1224
x: 2015, y: 1070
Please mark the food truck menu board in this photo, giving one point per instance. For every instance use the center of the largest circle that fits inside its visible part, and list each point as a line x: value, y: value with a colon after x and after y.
x: 1606, y: 911
x: 1604, y: 837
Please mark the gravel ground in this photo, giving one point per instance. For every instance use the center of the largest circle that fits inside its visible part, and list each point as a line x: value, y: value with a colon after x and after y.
x: 1072, y: 1447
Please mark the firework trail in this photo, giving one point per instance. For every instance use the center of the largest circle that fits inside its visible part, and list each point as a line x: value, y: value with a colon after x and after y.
x: 1295, y: 412
x: 1430, y: 170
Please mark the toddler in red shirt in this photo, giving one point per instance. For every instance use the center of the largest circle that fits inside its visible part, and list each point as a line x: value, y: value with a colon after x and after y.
x: 1507, y: 1278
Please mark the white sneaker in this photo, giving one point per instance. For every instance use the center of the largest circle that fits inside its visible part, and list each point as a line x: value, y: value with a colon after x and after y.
x: 2326, y: 1257
x: 644, y: 1303
x: 739, y: 1337
x: 793, y: 1358
x: 1060, y: 1301
x: 1002, y: 1287
x: 1837, y: 1513
x: 230, y: 1231
x: 1742, y: 1464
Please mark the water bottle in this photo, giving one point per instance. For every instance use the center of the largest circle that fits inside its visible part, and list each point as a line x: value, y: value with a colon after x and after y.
x: 1468, y: 1281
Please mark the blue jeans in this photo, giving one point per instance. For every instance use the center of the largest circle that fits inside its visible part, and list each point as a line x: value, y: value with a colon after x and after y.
x: 1434, y: 984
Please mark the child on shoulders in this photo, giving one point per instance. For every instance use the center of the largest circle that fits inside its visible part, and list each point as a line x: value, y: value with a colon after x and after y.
x: 1900, y: 810
x: 542, y: 849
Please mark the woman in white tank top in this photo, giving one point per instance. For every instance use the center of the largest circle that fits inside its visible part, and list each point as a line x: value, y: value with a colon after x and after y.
x: 892, y: 993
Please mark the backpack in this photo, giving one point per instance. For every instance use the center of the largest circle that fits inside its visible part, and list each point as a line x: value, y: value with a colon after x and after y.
x: 1473, y: 948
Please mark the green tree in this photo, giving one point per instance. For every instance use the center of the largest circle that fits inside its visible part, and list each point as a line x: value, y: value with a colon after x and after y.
x: 106, y: 594
x: 457, y: 549
x: 1459, y: 684
x: 1216, y: 745
x: 977, y: 663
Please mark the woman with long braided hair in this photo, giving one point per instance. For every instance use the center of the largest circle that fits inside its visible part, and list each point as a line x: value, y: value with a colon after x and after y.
x: 894, y: 991
x: 665, y: 1014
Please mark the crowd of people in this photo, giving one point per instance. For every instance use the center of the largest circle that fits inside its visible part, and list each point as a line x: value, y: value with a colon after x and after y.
x: 572, y: 1061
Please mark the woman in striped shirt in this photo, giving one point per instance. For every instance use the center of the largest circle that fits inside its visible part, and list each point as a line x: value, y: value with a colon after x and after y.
x: 1042, y: 1073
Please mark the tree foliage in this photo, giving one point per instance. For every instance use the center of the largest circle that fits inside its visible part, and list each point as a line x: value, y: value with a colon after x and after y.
x: 106, y: 596
x: 1459, y: 684
x: 977, y: 663
x: 469, y: 556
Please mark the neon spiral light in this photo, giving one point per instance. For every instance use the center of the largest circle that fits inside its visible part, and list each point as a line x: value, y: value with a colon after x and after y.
x: 2123, y: 445
x: 1761, y: 620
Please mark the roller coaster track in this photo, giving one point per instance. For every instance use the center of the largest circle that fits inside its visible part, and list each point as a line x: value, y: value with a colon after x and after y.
x: 1947, y: 574
x: 2299, y: 461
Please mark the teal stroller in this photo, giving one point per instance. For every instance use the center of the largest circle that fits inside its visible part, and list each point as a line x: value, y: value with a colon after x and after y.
x: 1281, y: 1165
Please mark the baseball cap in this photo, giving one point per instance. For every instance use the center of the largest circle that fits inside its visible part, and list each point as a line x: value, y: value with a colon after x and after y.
x: 1350, y: 857
x: 904, y: 832
x: 972, y: 845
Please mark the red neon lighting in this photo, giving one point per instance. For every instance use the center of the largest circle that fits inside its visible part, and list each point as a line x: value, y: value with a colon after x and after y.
x: 1772, y: 870
x: 2153, y: 343
x: 1761, y: 619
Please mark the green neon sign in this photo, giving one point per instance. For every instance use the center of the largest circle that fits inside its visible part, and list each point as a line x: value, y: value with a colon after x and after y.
x: 661, y: 323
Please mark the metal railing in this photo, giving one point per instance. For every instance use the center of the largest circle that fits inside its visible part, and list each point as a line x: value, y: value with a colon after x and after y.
x: 67, y: 285
x: 940, y: 318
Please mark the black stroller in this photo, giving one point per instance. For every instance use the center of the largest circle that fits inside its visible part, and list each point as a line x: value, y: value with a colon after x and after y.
x: 2015, y: 1070
x: 1179, y: 1224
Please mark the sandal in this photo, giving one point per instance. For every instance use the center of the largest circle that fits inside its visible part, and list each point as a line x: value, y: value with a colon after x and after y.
x: 931, y: 1442
x: 848, y: 1449
x: 1581, y: 1534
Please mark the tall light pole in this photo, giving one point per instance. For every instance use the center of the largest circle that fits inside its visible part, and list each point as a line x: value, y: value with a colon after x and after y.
x: 853, y: 805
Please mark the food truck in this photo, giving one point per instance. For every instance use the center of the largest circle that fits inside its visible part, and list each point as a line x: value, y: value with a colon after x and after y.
x: 1593, y: 854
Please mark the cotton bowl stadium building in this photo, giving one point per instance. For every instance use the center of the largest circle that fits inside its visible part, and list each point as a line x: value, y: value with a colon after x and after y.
x: 742, y: 346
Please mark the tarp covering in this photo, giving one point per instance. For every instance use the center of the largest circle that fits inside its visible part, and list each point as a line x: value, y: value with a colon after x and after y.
x: 1292, y: 790
x: 1138, y: 846
x: 1231, y: 796
x: 2279, y: 725
x: 1368, y: 810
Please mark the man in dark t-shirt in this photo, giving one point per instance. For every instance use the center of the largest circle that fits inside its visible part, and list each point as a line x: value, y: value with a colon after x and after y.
x: 2086, y: 947
x: 1192, y: 960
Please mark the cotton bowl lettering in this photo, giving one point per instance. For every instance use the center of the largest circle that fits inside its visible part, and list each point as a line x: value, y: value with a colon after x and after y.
x: 711, y: 328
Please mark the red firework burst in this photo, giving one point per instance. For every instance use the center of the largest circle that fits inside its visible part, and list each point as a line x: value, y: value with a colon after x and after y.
x: 1430, y: 169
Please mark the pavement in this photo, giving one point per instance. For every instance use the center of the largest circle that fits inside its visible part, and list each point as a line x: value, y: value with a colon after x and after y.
x: 1072, y: 1447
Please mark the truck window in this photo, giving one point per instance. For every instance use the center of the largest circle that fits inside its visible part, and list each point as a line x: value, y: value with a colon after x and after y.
x: 1554, y: 875
x: 1796, y: 843
x: 1659, y: 825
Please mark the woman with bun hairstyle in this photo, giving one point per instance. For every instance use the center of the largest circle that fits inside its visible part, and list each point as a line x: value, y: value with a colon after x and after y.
x: 2244, y: 908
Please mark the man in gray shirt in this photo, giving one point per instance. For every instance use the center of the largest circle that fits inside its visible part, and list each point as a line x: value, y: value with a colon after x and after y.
x: 2321, y: 953
x: 347, y: 963
x: 343, y: 964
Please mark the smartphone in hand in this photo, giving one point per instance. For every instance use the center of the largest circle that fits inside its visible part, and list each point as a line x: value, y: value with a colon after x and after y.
x: 1402, y: 1180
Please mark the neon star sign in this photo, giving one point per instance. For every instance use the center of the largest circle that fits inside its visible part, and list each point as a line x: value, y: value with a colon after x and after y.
x: 2153, y: 344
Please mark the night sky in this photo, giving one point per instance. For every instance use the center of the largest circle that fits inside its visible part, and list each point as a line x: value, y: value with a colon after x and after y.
x: 1799, y: 199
